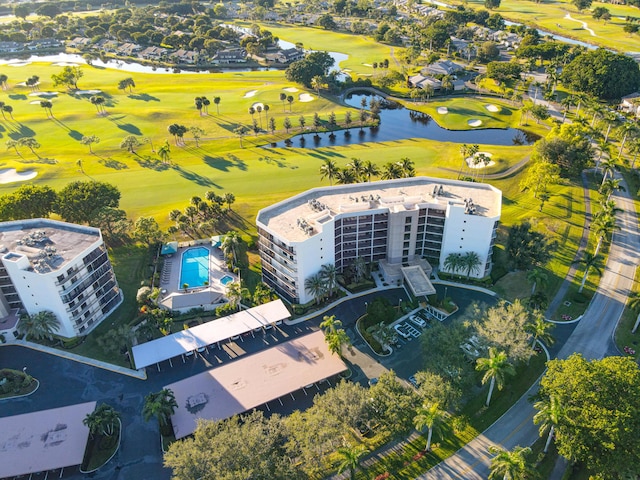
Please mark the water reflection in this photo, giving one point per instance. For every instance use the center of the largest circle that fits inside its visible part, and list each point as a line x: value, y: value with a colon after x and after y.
x: 398, y: 123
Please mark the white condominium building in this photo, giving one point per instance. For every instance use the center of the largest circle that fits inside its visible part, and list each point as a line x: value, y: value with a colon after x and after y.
x: 394, y: 222
x: 59, y: 267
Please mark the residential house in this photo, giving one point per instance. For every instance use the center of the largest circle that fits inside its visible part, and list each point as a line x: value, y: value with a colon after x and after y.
x: 631, y: 104
x: 442, y: 67
x: 226, y: 57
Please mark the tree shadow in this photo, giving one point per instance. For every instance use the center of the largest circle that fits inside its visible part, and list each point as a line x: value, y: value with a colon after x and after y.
x: 274, y: 161
x: 127, y: 127
x: 238, y: 162
x: 219, y: 163
x: 195, y: 177
x: 145, y: 97
x: 111, y: 163
x: 76, y: 135
x: 18, y: 96
x: 152, y: 163
x: 22, y: 131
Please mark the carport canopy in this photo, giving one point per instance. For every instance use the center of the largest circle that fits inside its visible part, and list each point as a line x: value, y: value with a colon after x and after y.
x: 208, y: 333
x: 418, y: 281
x: 45, y: 440
x: 252, y: 381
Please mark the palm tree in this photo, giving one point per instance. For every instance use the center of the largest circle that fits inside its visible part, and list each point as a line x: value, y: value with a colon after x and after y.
x: 496, y: 367
x: 590, y: 261
x: 407, y: 167
x: 603, y: 227
x: 610, y: 118
x: 370, y: 169
x: 548, y: 416
x: 230, y: 246
x: 283, y: 98
x: 329, y: 274
x: 356, y: 167
x: 259, y: 110
x: 47, y: 105
x: 345, y: 176
x: 566, y: 103
x: 241, y: 131
x: 471, y: 262
x: 177, y: 131
x: 252, y: 112
x: 328, y: 169
x: 165, y: 152
x: 453, y: 262
x: 607, y: 188
x: 265, y: 109
x: 3, y: 81
x: 431, y: 417
x: 316, y: 286
x: 31, y: 143
x: 510, y: 465
x: 351, y: 459
x: 628, y: 128
x: 198, y: 104
x: 608, y: 168
x: 537, y: 276
x: 229, y: 198
x: 160, y: 405
x: 89, y: 140
x: 391, y: 170
x: 337, y: 340
x: 290, y: 100
x: 9, y: 110
x: 236, y: 293
x: 216, y: 100
x: 634, y: 304
x: 540, y: 330
x: 330, y: 324
x: 102, y: 420
x: 205, y: 105
x: 39, y: 325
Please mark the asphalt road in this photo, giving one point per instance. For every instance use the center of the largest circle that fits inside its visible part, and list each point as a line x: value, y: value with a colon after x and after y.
x: 592, y: 337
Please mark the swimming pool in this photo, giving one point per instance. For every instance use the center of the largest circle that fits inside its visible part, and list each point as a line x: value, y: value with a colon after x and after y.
x: 194, y: 270
x: 226, y: 279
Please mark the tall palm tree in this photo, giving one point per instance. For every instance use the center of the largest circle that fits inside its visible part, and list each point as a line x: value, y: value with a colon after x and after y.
x: 540, y: 329
x: 603, y: 227
x: 453, y: 262
x: 241, y: 131
x: 495, y: 368
x: 259, y: 110
x: 608, y: 168
x: 283, y: 98
x: 471, y: 263
x: 357, y: 167
x: 328, y: 169
x: 590, y: 261
x: 315, y: 285
x: 230, y: 246
x: 627, y: 129
x: 290, y: 100
x: 217, y: 100
x: 610, y: 118
x: 351, y: 459
x: 236, y: 293
x: 39, y: 325
x: 165, y: 152
x: 160, y: 405
x: 548, y: 415
x: 510, y: 465
x: 431, y: 417
x: 370, y: 169
x: 391, y: 170
x: 607, y: 188
x: 537, y: 276
x: 330, y: 324
x: 48, y: 106
x: 102, y: 420
x: 407, y: 167
x: 316, y: 84
x: 329, y: 274
x: 346, y: 176
x: 337, y: 340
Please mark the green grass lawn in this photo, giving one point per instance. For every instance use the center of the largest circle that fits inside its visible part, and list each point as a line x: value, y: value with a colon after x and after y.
x: 550, y: 16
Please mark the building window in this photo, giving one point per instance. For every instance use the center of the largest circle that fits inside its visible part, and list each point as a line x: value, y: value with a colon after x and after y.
x: 407, y: 228
x: 407, y: 220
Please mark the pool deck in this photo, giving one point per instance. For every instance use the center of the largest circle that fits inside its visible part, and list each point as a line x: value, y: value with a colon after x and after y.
x: 173, y: 297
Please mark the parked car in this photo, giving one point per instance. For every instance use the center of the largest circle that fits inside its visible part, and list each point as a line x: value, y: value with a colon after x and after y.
x: 418, y: 321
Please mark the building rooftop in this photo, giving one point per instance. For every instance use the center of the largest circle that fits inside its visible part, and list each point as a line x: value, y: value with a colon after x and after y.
x: 299, y: 217
x: 45, y: 440
x: 252, y: 381
x: 48, y: 244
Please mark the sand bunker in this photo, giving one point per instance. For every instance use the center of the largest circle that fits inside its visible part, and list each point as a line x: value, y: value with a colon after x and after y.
x: 18, y: 64
x: 290, y: 89
x: 250, y: 94
x: 474, y: 122
x: 443, y: 110
x: 35, y: 102
x: 258, y: 104
x: 367, y: 65
x: 492, y: 108
x: 305, y: 97
x: 477, y: 161
x: 64, y: 64
x: 10, y: 175
x: 43, y: 94
x: 87, y: 92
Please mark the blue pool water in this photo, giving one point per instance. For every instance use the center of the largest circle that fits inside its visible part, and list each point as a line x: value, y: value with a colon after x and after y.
x: 226, y: 279
x: 194, y: 270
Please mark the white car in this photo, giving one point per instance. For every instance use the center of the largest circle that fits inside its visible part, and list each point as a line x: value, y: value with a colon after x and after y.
x: 418, y: 321
x: 401, y: 332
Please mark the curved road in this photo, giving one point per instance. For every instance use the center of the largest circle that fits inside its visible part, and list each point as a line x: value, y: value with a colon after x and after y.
x: 593, y: 338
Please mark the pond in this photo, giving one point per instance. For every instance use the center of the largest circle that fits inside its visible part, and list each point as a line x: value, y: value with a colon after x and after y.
x: 401, y: 123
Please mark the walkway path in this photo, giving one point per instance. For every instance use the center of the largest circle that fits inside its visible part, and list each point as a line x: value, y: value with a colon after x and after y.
x: 584, y: 24
x: 592, y: 338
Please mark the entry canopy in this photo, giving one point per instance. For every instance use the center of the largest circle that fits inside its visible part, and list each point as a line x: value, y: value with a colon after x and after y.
x: 208, y: 333
x: 252, y: 381
x: 45, y: 440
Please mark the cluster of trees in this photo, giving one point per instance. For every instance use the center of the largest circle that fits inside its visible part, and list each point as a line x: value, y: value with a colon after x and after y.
x: 358, y: 171
x: 202, y: 215
x: 300, y: 444
x: 322, y: 284
x: 468, y: 262
x: 313, y: 65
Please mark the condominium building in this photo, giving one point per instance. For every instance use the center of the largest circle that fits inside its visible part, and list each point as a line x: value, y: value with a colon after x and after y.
x: 395, y: 223
x: 58, y: 267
